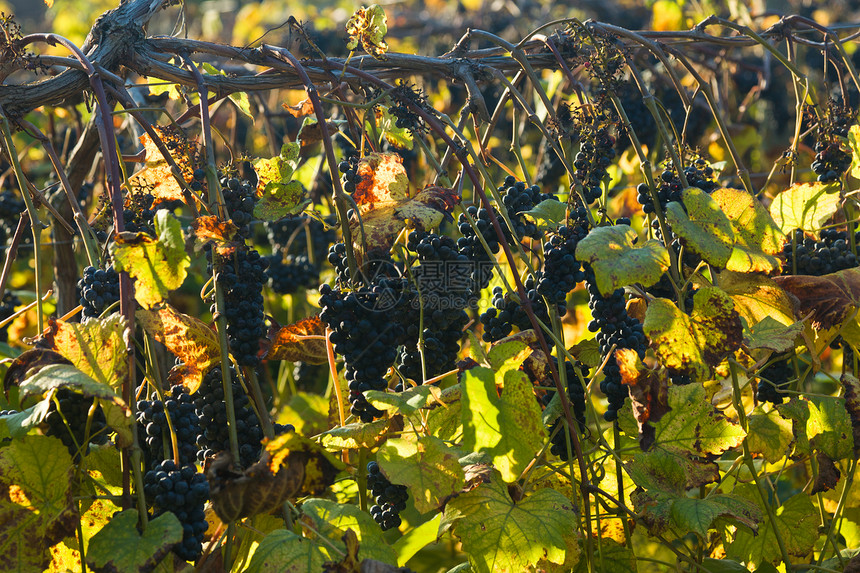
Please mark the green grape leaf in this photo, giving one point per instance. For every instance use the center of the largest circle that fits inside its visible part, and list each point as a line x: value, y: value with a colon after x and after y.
x: 617, y: 263
x: 773, y: 335
x: 798, y: 411
x: 548, y: 215
x: 446, y: 422
x: 587, y: 352
x: 18, y: 424
x: 283, y: 551
x: 501, y: 534
x: 120, y: 547
x: 806, y: 206
x: 355, y: 436
x: 416, y: 539
x: 769, y: 434
x: 428, y: 467
x: 854, y: 144
x: 54, y: 376
x: 610, y: 557
x: 692, y: 426
x: 331, y: 520
x: 510, y: 353
x: 240, y: 99
x: 797, y: 520
x: 386, y: 123
x: 694, y: 344
x: 281, y: 195
x: 406, y: 402
x: 96, y: 347
x: 712, y: 565
x: 758, y: 239
x: 36, y: 505
x: 661, y: 470
x: 509, y: 426
x: 703, y: 227
x: 159, y: 266
x: 368, y: 26
x: 829, y: 428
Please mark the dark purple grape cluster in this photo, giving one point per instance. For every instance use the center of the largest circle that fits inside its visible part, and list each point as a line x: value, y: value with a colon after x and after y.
x: 774, y: 378
x: 390, y: 499
x: 11, y: 207
x: 99, y: 289
x: 500, y: 319
x: 7, y: 309
x: 831, y: 161
x: 152, y: 417
x: 239, y: 199
x: 211, y: 411
x: 561, y: 271
x: 349, y: 168
x: 377, y: 264
x: 182, y: 491
x: 518, y: 199
x: 470, y: 245
x: 595, y: 156
x: 290, y: 275
x: 368, y: 326
x: 699, y: 174
x: 74, y: 410
x: 806, y: 256
x: 576, y: 395
x: 241, y: 276
x: 139, y: 216
x: 290, y: 235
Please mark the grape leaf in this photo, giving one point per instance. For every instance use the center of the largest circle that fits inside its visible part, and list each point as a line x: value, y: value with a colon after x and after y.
x: 368, y: 26
x: 96, y: 347
x: 772, y: 334
x: 428, y: 467
x: 386, y: 124
x: 610, y: 557
x: 284, y: 551
x: 120, y: 547
x: 851, y: 386
x: 156, y: 177
x: 36, y: 505
x: 830, y: 298
x: 704, y: 229
x: 332, y: 519
x: 508, y: 427
x: 406, y: 402
x: 769, y: 434
x: 694, y: 344
x: 757, y: 297
x: 648, y: 392
x: 280, y: 194
x: 158, y: 265
x: 797, y: 410
x: 548, y: 215
x: 240, y: 99
x: 758, y: 239
x: 290, y: 342
x: 829, y: 428
x: 805, y: 206
x: 18, y: 424
x: 355, y: 436
x: 854, y: 143
x: 416, y: 539
x: 212, y: 229
x: 797, y: 521
x: 503, y: 535
x: 617, y: 263
x: 194, y: 343
x: 666, y: 471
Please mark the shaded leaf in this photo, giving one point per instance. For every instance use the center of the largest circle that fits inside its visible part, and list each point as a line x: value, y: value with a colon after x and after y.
x: 769, y: 434
x: 830, y: 298
x: 28, y: 363
x: 290, y: 342
x: 120, y: 547
x: 332, y: 520
x: 503, y: 535
x: 648, y: 392
x: 805, y: 206
x: 18, y: 424
x: 758, y: 239
x: 97, y: 347
x: 797, y: 521
x: 587, y: 352
x: 829, y: 428
x: 703, y: 228
x: 773, y: 335
x: 828, y: 474
x: 617, y: 263
x: 159, y: 266
x: 610, y: 557
x: 386, y: 124
x: 428, y: 467
x: 851, y: 388
x: 283, y: 551
x: 547, y: 215
x: 355, y: 436
x: 670, y: 472
x: 240, y: 99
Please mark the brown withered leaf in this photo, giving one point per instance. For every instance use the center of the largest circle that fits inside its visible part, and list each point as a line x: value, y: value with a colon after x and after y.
x: 649, y: 392
x: 291, y: 343
x: 156, y: 177
x: 828, y: 474
x: 212, y: 229
x: 321, y: 468
x: 830, y: 298
x: 190, y: 339
x: 851, y: 385
x: 349, y: 563
x: 30, y: 362
x: 303, y: 108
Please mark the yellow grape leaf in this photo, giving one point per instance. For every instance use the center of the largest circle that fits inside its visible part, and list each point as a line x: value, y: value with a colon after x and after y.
x: 96, y: 347
x: 190, y: 339
x: 758, y: 239
x: 368, y: 26
x: 158, y: 265
x: 280, y: 194
x: 156, y: 177
x: 806, y: 206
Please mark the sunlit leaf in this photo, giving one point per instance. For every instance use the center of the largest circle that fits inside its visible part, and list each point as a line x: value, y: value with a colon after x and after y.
x: 757, y: 297
x: 427, y: 466
x: 703, y: 228
x: 386, y: 124
x: 769, y: 434
x: 283, y: 551
x: 617, y: 262
x: 805, y: 206
x: 758, y: 239
x: 119, y: 546
x: 547, y: 215
x: 829, y: 428
x: 368, y: 26
x: 96, y: 347
x: 290, y: 342
x: 157, y: 178
x: 797, y: 520
x: 333, y: 519
x: 773, y: 335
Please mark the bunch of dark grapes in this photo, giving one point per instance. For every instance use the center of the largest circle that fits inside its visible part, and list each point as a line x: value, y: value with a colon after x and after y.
x: 152, y: 417
x: 390, y: 499
x: 211, y: 411
x: 663, y: 289
x: 241, y: 276
x: 75, y: 408
x: 470, y: 245
x: 239, y: 199
x: 518, y: 199
x: 595, y: 155
x: 367, y: 326
x: 576, y: 395
x: 11, y: 207
x: 772, y: 379
x: 561, y: 271
x: 377, y: 264
x: 699, y: 174
x: 182, y: 491
x: 7, y: 309
x: 810, y: 257
x: 139, y: 216
x: 615, y: 328
x: 831, y: 161
x: 99, y: 289
x: 290, y: 235
x: 311, y: 377
x: 349, y: 168
x: 287, y: 277
x: 444, y: 284
x: 500, y: 319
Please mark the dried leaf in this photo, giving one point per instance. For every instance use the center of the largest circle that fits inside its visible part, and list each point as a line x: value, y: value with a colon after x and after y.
x: 289, y: 343
x: 213, y: 229
x: 851, y: 385
x: 368, y: 27
x: 304, y: 107
x: 830, y: 298
x: 156, y: 178
x: 28, y: 363
x: 649, y: 392
x: 828, y: 474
